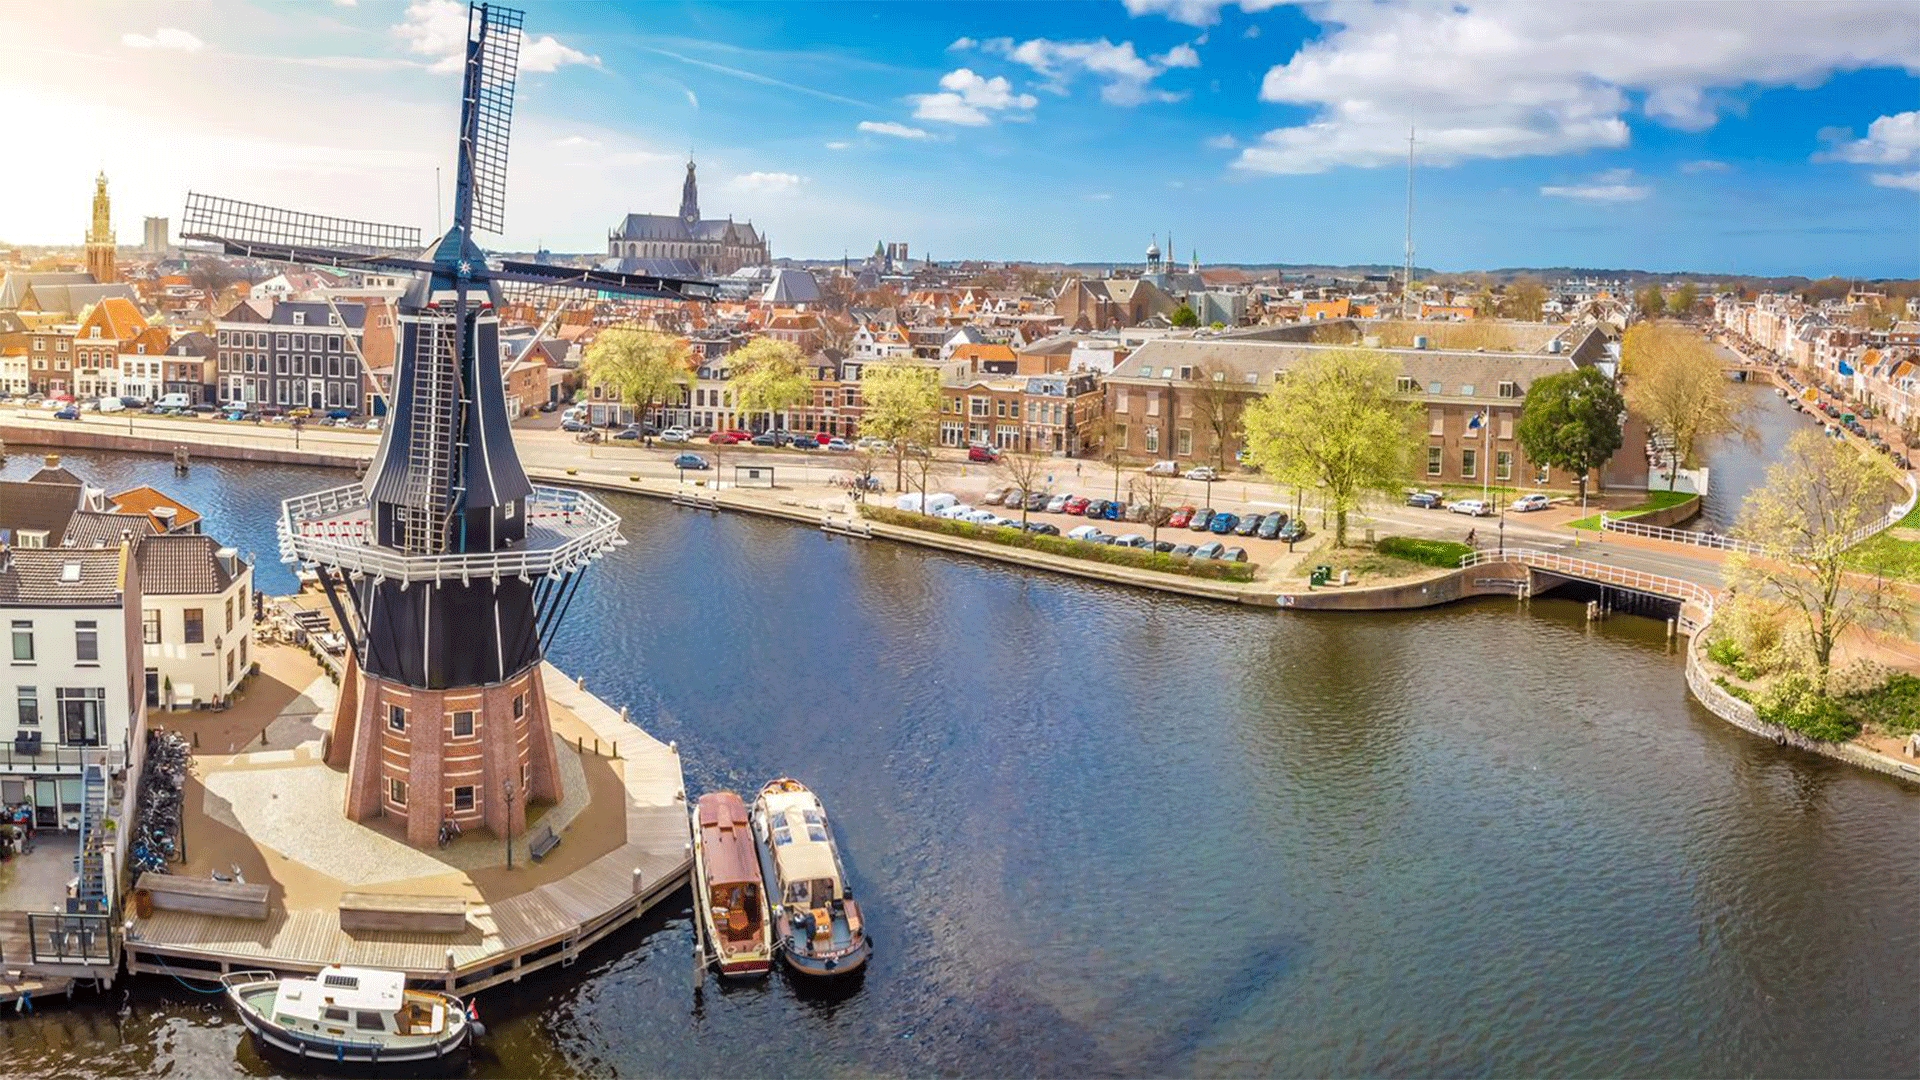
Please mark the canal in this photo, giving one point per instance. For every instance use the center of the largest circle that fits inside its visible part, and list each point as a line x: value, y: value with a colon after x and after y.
x: 1738, y: 465
x: 1103, y: 832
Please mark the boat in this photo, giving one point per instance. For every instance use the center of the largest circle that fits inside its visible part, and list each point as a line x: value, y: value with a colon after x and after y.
x: 352, y: 1016
x: 730, y: 897
x: 817, y: 924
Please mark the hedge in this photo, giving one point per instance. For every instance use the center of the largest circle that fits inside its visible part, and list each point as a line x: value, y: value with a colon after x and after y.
x: 1138, y: 558
x: 1442, y: 553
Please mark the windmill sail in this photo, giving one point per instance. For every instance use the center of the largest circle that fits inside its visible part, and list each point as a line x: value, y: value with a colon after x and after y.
x: 245, y: 227
x: 486, y: 115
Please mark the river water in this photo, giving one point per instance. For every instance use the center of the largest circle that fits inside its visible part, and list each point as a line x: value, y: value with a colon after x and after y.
x: 1098, y: 831
x: 1738, y: 464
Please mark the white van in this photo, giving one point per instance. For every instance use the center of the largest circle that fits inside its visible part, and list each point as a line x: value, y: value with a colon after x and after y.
x: 1164, y: 468
x: 173, y: 401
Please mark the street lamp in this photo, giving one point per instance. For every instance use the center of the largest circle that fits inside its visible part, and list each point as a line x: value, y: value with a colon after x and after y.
x: 506, y: 787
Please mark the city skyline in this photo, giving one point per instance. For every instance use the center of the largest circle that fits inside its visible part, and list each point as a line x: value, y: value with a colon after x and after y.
x: 1255, y: 133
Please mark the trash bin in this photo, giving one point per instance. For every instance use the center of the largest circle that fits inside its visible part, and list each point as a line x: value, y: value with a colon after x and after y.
x: 1321, y: 575
x: 143, y: 903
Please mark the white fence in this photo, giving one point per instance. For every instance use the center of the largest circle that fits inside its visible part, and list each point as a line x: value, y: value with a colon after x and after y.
x: 1713, y: 541
x: 1604, y: 573
x: 1892, y: 517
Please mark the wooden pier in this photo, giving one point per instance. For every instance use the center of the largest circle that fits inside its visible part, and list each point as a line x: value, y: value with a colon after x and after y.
x: 516, y: 920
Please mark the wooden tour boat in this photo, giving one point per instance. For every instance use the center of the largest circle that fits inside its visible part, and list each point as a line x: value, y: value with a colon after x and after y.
x: 352, y: 1016
x: 816, y: 922
x: 729, y: 897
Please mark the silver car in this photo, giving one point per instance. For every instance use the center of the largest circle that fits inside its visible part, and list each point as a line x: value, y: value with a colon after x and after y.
x: 1058, y: 504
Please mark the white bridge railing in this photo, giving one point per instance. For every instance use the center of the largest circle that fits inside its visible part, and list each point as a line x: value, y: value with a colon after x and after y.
x: 1604, y: 573
x: 1892, y: 517
x: 1713, y: 541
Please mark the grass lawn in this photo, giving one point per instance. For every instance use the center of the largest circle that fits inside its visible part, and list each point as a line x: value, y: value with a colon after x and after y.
x: 1366, y: 566
x: 1900, y: 558
x: 1656, y: 500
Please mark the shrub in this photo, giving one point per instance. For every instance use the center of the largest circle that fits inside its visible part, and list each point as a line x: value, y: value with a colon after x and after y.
x: 1726, y: 652
x: 1442, y: 553
x: 1209, y: 569
x: 1893, y: 705
x: 1796, y: 703
x: 1735, y: 689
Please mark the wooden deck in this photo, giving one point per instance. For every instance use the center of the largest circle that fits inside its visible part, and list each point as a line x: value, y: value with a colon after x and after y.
x: 505, y: 938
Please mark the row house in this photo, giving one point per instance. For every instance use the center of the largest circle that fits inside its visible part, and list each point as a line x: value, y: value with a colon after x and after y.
x: 1041, y: 414
x: 106, y: 330
x: 295, y: 354
x: 1162, y: 401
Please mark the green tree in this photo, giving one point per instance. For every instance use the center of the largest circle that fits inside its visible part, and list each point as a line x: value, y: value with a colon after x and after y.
x: 769, y: 376
x: 1524, y: 299
x: 1804, y: 521
x: 638, y: 367
x: 1651, y: 301
x: 1185, y: 316
x: 900, y: 403
x: 1676, y: 385
x: 1683, y: 299
x: 1335, y: 423
x: 1572, y: 421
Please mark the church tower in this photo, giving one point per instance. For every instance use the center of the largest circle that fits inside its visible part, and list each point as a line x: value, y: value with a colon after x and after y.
x: 100, y: 246
x: 690, y: 198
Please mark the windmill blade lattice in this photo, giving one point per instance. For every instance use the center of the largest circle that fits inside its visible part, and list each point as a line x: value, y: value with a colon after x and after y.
x: 486, y: 121
x: 246, y: 224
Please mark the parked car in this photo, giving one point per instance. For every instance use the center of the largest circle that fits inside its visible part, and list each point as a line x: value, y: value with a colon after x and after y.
x: 1041, y: 528
x: 629, y: 433
x: 840, y: 446
x: 722, y: 438
x: 1201, y: 518
x: 1182, y: 551
x: 675, y: 435
x: 1096, y: 508
x: 68, y: 413
x: 822, y: 438
x: 982, y: 453
x: 1270, y: 525
x: 801, y: 442
x: 981, y: 517
x: 767, y: 438
x: 1223, y: 523
x: 690, y: 461
x: 1234, y: 554
x: 1083, y: 532
x: 993, y: 497
x: 1101, y: 538
x: 1209, y: 550
x: 870, y: 443
x: 1037, y: 501
x: 332, y: 414
x: 1475, y: 507
x: 1429, y: 500
x: 953, y: 511
x: 1164, y: 468
x: 1114, y: 511
x: 109, y: 405
x: 1204, y: 472
x: 1181, y: 517
x: 575, y: 425
x: 1293, y: 530
x: 1132, y: 540
x: 1163, y: 546
x: 1525, y: 503
x: 1076, y: 505
x: 1058, y: 504
x: 1248, y: 525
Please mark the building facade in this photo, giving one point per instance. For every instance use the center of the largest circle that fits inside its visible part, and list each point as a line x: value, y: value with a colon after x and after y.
x: 685, y: 244
x: 298, y: 355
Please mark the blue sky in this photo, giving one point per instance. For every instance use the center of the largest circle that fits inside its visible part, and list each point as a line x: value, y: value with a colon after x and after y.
x: 1750, y: 138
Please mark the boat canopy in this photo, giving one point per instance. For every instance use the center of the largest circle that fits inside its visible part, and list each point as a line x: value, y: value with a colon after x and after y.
x: 726, y: 843
x: 797, y: 827
x: 340, y: 988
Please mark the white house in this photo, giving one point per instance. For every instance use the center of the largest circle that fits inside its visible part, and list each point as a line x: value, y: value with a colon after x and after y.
x: 196, y: 619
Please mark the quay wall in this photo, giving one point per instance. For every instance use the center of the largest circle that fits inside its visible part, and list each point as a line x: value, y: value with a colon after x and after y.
x: 1668, y: 517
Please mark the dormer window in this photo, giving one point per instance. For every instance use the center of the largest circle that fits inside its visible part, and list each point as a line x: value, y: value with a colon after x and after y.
x: 299, y: 318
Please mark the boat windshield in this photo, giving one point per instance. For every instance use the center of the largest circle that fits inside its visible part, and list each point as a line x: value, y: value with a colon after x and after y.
x: 813, y: 893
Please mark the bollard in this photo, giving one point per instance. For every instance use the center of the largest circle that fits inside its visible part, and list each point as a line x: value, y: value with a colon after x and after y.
x: 196, y: 739
x: 596, y: 746
x: 637, y: 881
x: 616, y: 749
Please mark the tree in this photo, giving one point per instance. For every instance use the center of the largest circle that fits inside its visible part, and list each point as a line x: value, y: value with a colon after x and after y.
x: 1024, y: 471
x: 1683, y: 299
x: 1524, y: 300
x: 1156, y: 492
x: 900, y: 402
x: 1335, y: 423
x: 1803, y: 520
x: 1910, y: 432
x: 211, y: 276
x: 1651, y: 301
x: 1676, y: 385
x: 922, y: 469
x: 769, y: 376
x: 1185, y: 316
x: 638, y: 367
x: 1216, y: 410
x: 1572, y: 421
x: 1485, y: 304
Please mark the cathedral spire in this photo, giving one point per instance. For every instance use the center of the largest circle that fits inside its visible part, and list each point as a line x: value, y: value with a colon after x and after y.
x: 101, y: 255
x: 690, y: 196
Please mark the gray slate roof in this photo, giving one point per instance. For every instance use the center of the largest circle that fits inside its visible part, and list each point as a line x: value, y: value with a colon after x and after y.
x: 103, y: 528
x: 14, y: 286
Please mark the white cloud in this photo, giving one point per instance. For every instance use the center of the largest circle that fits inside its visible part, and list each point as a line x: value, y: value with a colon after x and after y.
x: 961, y: 44
x: 1252, y: 31
x: 438, y: 29
x: 1705, y: 165
x: 898, y: 131
x: 577, y: 142
x: 838, y: 145
x: 1502, y: 80
x: 1100, y: 196
x: 1194, y: 12
x: 1909, y: 181
x: 166, y: 37
x: 766, y: 183
x: 692, y: 98
x: 1222, y: 142
x: 1126, y: 76
x: 1890, y: 140
x: 966, y: 98
x: 1616, y: 185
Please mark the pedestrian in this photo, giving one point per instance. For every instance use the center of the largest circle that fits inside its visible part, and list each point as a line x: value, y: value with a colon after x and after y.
x: 1470, y: 533
x: 1076, y: 468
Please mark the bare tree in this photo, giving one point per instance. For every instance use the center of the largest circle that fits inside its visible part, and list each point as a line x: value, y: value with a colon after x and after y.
x: 1157, y: 492
x: 1025, y: 471
x: 923, y: 468
x: 1216, y: 409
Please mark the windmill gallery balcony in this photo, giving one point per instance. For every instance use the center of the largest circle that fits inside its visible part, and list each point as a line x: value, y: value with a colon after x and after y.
x: 566, y: 530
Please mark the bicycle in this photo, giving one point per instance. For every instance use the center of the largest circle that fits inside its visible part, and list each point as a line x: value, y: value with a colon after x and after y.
x: 449, y: 832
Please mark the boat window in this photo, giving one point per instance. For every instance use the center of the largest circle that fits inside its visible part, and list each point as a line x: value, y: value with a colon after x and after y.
x: 815, y: 832
x: 369, y: 1021
x: 814, y: 818
x: 782, y: 836
x: 350, y: 982
x: 340, y: 1016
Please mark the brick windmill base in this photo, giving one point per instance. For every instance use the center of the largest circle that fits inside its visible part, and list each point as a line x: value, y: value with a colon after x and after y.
x: 427, y: 756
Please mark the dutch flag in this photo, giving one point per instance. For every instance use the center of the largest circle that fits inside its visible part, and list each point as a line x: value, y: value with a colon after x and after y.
x: 1479, y: 420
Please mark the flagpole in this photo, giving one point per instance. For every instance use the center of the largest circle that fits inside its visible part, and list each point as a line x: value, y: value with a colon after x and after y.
x: 1486, y: 456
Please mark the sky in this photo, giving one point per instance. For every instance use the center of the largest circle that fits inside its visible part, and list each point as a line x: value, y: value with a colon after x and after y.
x: 1753, y: 138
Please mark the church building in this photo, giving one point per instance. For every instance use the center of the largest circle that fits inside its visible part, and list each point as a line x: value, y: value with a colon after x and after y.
x: 685, y: 245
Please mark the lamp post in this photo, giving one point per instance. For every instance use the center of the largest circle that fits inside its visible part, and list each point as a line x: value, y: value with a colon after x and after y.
x: 506, y: 787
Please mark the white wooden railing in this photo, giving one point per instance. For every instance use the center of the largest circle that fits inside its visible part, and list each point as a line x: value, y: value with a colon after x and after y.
x: 1605, y: 573
x: 1713, y: 541
x: 1892, y: 516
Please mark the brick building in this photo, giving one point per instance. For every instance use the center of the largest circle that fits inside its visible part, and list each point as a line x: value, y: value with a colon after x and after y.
x: 295, y: 353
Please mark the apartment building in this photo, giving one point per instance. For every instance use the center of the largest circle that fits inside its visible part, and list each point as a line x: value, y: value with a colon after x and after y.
x: 297, y: 354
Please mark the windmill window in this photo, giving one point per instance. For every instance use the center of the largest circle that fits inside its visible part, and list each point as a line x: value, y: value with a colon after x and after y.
x: 396, y: 718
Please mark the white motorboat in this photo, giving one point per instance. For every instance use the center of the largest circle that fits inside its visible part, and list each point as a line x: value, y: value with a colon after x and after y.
x: 358, y: 1016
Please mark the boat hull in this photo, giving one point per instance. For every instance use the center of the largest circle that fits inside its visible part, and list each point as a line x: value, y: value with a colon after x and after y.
x: 832, y: 966
x: 751, y: 962
x: 273, y: 1040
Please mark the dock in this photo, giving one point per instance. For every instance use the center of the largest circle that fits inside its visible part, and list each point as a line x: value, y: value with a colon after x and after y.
x: 623, y: 821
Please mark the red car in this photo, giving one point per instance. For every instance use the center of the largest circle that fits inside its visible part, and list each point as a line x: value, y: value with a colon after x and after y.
x: 1180, y: 518
x: 725, y: 438
x: 822, y: 438
x: 982, y: 453
x: 1077, y: 505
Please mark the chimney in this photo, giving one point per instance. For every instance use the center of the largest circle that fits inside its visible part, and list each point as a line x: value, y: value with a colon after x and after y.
x: 52, y: 461
x: 166, y: 514
x: 229, y: 558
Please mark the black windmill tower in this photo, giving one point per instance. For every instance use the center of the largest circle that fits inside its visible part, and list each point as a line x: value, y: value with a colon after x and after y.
x: 447, y: 567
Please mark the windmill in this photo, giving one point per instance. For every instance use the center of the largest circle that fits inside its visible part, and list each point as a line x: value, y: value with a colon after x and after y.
x: 446, y: 567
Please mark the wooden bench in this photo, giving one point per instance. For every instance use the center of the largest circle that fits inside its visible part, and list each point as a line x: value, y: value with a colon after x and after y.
x: 204, y: 896
x: 542, y: 841
x: 398, y: 911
